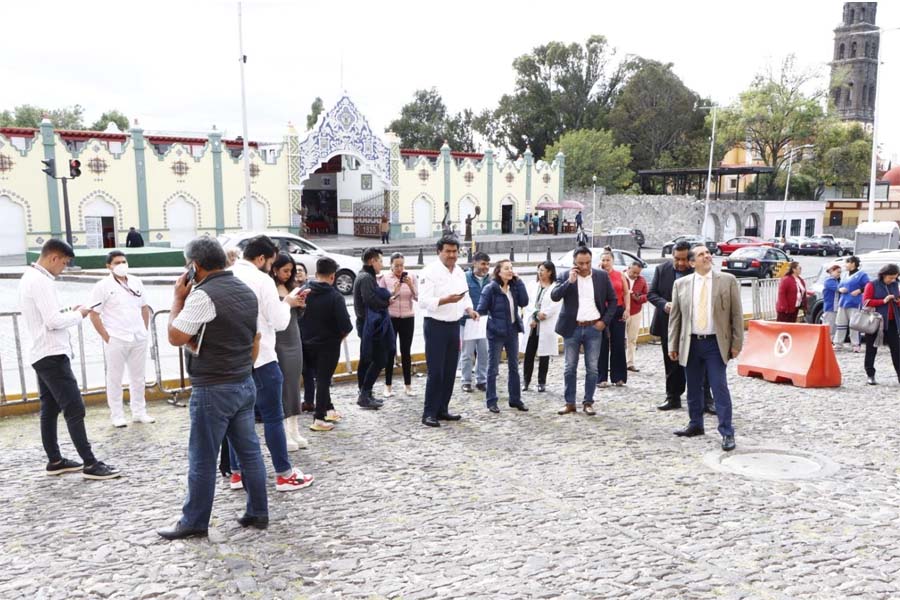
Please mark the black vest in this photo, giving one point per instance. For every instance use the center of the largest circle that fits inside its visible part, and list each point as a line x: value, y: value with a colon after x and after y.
x: 226, y: 354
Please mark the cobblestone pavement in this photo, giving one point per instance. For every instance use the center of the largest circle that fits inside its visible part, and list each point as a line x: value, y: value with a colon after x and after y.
x: 515, y: 505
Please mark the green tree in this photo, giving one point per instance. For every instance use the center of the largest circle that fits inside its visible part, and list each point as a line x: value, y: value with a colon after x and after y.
x: 559, y: 88
x: 314, y: 111
x: 113, y: 116
x: 658, y: 116
x: 425, y: 123
x: 775, y: 112
x: 27, y: 115
x: 841, y: 156
x: 592, y: 152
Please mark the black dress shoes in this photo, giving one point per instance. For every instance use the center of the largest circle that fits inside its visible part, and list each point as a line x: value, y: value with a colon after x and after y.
x: 519, y: 406
x: 251, y: 521
x: 670, y: 404
x: 871, y: 380
x: 689, y: 431
x: 481, y: 387
x: 542, y: 388
x: 179, y: 532
x: 467, y: 387
x: 430, y: 422
x: 525, y: 388
x: 449, y: 417
x: 728, y: 443
x: 493, y: 408
x: 710, y: 408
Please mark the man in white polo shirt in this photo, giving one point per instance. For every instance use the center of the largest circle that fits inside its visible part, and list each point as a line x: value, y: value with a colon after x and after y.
x: 121, y: 319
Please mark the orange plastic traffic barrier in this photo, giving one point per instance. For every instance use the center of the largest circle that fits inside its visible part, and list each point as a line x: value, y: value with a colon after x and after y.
x: 794, y: 353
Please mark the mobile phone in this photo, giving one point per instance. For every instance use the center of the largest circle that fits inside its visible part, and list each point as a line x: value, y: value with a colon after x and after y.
x: 191, y: 274
x: 403, y: 276
x: 96, y: 305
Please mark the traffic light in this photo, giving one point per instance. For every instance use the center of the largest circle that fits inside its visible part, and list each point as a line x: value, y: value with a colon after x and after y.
x: 74, y: 168
x: 50, y: 168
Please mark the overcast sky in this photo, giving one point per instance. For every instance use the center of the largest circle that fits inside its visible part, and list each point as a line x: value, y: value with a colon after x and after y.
x: 173, y: 65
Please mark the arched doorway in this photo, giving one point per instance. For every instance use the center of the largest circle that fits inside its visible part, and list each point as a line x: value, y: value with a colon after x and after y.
x: 423, y: 215
x: 751, y: 225
x: 260, y: 216
x: 12, y: 234
x: 711, y: 227
x: 507, y: 215
x: 731, y: 225
x: 182, y: 218
x: 99, y: 224
x: 466, y: 208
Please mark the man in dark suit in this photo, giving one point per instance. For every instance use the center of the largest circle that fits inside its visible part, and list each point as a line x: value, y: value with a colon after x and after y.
x: 589, y: 305
x: 134, y: 239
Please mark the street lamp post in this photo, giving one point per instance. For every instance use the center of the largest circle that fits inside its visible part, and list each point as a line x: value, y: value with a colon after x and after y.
x: 246, y: 146
x: 712, y: 145
x: 593, y: 209
x: 787, y: 187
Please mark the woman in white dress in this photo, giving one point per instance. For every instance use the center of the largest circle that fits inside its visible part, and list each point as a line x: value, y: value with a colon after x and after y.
x: 542, y: 341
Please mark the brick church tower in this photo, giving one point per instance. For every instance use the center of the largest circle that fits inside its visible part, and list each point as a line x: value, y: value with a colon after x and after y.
x: 855, y: 65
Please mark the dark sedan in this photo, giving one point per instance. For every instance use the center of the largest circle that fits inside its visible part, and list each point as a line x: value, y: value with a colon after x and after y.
x: 790, y: 246
x: 756, y: 261
x: 820, y: 246
x: 693, y: 240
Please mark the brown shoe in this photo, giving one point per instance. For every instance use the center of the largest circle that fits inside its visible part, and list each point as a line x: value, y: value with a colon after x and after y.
x: 589, y: 410
x: 569, y: 408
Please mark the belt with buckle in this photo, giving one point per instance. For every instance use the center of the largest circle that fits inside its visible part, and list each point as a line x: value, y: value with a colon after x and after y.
x: 704, y: 336
x: 586, y: 323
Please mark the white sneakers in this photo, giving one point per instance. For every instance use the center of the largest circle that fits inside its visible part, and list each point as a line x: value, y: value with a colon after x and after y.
x: 144, y: 418
x: 295, y: 441
x: 119, y: 422
x: 296, y: 481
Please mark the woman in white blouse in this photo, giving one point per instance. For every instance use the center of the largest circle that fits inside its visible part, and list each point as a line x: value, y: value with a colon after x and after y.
x: 542, y: 338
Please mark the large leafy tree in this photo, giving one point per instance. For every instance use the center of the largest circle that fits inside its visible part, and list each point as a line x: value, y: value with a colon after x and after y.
x: 425, y: 123
x: 559, y: 88
x: 110, y: 116
x: 27, y: 115
x: 592, y: 152
x: 778, y: 111
x: 659, y: 117
x: 842, y: 155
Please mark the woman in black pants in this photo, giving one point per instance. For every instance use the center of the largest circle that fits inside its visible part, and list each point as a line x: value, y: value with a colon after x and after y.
x: 883, y: 294
x: 542, y: 339
x: 403, y: 317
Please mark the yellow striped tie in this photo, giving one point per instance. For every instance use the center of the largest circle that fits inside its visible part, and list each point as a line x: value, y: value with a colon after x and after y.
x: 703, y: 309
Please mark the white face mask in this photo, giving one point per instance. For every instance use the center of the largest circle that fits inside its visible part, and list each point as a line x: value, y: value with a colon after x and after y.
x: 121, y: 270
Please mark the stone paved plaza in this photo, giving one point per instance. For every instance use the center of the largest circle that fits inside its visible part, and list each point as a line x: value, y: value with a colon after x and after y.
x: 515, y: 505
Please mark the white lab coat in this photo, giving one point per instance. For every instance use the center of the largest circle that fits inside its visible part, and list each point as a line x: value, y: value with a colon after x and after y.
x: 548, y: 340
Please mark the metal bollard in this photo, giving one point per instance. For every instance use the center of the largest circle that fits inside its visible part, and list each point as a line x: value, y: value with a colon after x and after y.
x: 548, y: 254
x: 512, y: 253
x: 421, y: 260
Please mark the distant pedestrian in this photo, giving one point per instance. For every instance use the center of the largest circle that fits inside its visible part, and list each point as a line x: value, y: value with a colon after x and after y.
x: 830, y: 297
x: 638, y: 297
x: 581, y: 237
x: 121, y: 317
x: 403, y: 317
x: 48, y: 323
x: 612, y: 364
x: 706, y: 330
x: 540, y: 332
x: 535, y: 223
x: 501, y: 300
x: 556, y: 225
x: 289, y: 347
x: 589, y: 306
x: 475, y: 350
x: 883, y: 294
x: 373, y: 325
x: 385, y: 228
x: 444, y: 298
x: 134, y: 239
x: 851, y: 289
x: 324, y: 325
x: 791, y: 294
x: 579, y: 220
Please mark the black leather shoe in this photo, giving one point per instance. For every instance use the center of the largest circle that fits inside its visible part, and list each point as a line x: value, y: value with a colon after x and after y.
x: 179, y: 532
x: 481, y: 387
x: 542, y: 388
x: 430, y: 422
x: 669, y: 404
x: 525, y: 388
x: 251, y: 521
x: 449, y: 417
x: 709, y: 409
x: 871, y: 380
x: 519, y: 406
x: 728, y: 443
x: 493, y: 408
x: 366, y: 401
x: 689, y: 431
x: 467, y: 387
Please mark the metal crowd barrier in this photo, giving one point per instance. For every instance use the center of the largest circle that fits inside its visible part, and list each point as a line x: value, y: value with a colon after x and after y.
x: 183, y: 388
x: 764, y: 293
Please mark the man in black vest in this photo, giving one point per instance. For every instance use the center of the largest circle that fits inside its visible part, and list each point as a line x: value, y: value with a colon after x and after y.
x: 214, y: 317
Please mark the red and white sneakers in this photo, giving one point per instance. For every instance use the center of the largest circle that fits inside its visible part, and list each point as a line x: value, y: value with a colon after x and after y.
x: 236, y: 483
x: 297, y: 481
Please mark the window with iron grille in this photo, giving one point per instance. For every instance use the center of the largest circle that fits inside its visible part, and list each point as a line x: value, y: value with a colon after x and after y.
x: 6, y: 163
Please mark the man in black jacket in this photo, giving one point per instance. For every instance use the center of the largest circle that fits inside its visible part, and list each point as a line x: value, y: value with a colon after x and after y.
x: 134, y: 239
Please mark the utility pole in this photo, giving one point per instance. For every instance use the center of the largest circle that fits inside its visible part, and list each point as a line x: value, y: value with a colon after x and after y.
x: 248, y: 198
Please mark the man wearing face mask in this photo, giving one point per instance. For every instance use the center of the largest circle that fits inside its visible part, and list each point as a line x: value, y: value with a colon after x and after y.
x: 121, y: 318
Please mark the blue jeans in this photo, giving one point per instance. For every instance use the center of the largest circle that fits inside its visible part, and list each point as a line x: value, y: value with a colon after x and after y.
x: 217, y: 411
x: 495, y: 347
x: 704, y: 357
x: 467, y: 357
x: 268, y: 380
x: 589, y: 338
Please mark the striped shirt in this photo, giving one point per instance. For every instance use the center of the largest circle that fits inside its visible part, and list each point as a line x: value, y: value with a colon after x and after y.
x: 45, y: 320
x: 198, y: 310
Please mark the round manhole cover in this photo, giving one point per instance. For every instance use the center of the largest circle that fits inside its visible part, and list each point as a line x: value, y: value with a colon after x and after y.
x: 771, y: 463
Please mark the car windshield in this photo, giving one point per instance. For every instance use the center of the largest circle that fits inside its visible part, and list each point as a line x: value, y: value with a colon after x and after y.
x: 748, y: 253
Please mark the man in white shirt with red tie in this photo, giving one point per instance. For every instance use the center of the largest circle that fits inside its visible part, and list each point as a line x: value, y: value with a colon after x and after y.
x: 48, y: 323
x: 121, y: 316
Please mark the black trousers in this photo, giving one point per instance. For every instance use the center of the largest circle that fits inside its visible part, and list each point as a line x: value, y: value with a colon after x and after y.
x: 675, y: 383
x: 543, y: 361
x: 322, y: 361
x: 441, y: 356
x: 404, y: 328
x: 370, y: 368
x: 59, y: 393
x: 892, y: 340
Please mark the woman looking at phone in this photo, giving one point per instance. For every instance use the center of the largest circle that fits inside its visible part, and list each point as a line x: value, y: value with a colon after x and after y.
x: 403, y: 316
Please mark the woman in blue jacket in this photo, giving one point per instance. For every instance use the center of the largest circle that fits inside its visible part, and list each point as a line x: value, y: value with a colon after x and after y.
x: 500, y: 301
x: 851, y: 290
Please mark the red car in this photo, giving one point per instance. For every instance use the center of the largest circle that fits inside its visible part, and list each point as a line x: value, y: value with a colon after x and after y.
x: 741, y: 242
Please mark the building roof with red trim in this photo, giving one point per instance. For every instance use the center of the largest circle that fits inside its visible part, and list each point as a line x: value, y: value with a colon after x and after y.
x: 437, y: 153
x: 84, y: 135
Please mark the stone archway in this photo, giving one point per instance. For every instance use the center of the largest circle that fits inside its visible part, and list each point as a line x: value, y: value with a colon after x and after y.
x: 730, y: 227
x: 751, y: 224
x: 712, y: 227
x: 465, y: 207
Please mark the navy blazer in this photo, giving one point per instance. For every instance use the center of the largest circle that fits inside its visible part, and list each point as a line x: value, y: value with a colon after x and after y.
x: 495, y: 304
x: 660, y: 294
x: 604, y: 298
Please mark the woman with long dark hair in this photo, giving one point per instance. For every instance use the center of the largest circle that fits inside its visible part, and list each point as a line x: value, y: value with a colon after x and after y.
x: 290, y: 352
x: 883, y: 295
x: 613, y: 363
x: 542, y: 341
x: 403, y: 318
x: 791, y: 294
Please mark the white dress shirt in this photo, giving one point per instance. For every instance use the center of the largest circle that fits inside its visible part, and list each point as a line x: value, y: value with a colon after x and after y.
x: 587, y: 306
x: 697, y: 283
x: 45, y: 320
x: 274, y: 315
x: 435, y: 282
x: 121, y: 307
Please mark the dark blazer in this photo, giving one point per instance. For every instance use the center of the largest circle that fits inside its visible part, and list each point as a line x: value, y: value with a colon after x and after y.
x: 494, y: 303
x: 604, y: 298
x: 660, y: 293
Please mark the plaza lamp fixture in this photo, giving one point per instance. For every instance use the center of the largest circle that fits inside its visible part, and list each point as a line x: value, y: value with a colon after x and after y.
x: 787, y: 187
x: 712, y: 145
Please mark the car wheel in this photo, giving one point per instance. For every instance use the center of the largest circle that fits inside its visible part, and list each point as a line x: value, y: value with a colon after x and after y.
x: 767, y: 275
x: 344, y: 282
x: 718, y: 252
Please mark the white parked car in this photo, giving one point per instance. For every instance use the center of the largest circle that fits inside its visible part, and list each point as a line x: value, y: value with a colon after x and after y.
x: 302, y: 251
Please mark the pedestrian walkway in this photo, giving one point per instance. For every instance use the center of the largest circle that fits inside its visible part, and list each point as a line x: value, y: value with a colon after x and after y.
x: 515, y: 505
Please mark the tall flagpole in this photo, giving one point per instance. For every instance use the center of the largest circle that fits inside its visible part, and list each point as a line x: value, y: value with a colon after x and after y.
x: 248, y: 198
